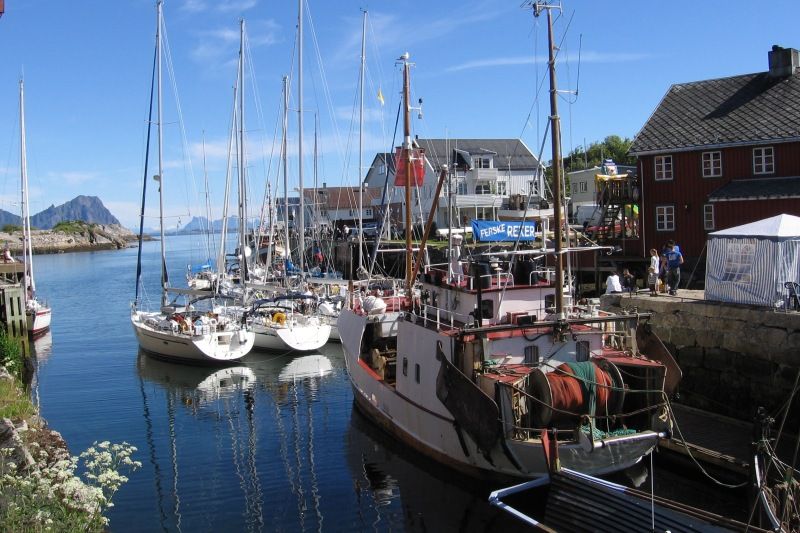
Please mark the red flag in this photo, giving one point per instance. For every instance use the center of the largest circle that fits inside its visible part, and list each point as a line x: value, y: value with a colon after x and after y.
x: 417, y: 166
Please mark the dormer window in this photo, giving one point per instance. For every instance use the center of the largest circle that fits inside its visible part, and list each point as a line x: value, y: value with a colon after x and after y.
x: 481, y: 162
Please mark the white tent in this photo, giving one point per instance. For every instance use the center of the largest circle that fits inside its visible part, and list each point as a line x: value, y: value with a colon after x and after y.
x: 749, y: 264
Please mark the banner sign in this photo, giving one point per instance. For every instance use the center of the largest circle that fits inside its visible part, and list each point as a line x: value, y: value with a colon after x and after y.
x: 496, y: 230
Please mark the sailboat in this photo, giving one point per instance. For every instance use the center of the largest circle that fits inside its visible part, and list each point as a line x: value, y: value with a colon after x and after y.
x: 199, y: 330
x: 287, y: 320
x: 489, y: 359
x: 38, y: 314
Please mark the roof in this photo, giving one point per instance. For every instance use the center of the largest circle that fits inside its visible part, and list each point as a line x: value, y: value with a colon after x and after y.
x: 777, y: 226
x: 509, y: 154
x: 757, y: 189
x: 344, y: 197
x: 748, y: 109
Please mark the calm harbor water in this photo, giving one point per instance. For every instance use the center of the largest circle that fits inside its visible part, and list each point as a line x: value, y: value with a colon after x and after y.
x: 271, y: 444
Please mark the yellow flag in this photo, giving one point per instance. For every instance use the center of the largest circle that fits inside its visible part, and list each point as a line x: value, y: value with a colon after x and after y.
x: 380, y: 96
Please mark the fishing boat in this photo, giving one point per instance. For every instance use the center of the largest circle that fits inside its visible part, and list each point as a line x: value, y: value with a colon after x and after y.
x: 195, y: 326
x: 37, y: 313
x: 490, y: 355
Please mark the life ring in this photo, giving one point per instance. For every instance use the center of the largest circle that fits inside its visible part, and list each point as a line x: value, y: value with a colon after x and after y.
x: 279, y: 318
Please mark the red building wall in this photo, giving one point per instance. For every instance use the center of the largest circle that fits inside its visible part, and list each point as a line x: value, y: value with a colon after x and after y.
x: 688, y: 191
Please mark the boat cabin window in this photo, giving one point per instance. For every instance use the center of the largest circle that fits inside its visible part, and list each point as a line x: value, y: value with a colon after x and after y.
x: 582, y: 351
x: 532, y: 355
x: 416, y: 372
x: 549, y: 300
x: 405, y: 366
x: 487, y: 308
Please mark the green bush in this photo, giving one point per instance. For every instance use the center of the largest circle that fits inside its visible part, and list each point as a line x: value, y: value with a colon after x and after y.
x: 11, y: 228
x: 11, y: 355
x: 72, y: 226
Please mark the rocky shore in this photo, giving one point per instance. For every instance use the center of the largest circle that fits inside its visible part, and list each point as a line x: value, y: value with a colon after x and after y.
x: 76, y: 237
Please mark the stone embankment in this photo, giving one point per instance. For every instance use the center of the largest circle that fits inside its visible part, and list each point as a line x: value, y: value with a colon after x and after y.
x: 79, y: 237
x: 734, y: 358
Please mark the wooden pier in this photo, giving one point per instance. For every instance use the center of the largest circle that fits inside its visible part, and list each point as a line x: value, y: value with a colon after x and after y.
x: 12, y: 304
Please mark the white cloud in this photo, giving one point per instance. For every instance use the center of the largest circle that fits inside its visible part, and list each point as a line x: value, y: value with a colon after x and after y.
x: 586, y: 57
x: 222, y: 6
x: 72, y: 178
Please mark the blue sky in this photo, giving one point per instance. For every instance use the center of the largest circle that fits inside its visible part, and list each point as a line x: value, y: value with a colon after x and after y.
x: 87, y: 68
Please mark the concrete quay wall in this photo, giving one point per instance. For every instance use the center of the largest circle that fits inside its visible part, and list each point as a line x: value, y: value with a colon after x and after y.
x: 734, y: 358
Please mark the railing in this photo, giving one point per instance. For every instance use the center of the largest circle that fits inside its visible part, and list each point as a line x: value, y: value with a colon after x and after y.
x: 499, y: 279
x: 439, y: 316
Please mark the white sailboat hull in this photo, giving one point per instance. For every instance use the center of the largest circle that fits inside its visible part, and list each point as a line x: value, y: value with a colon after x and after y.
x: 295, y: 337
x: 419, y: 419
x: 38, y: 320
x: 199, y: 346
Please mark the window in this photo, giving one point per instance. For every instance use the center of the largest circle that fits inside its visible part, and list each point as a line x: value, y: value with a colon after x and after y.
x: 708, y: 216
x: 581, y: 186
x: 763, y: 160
x: 482, y: 188
x: 482, y: 162
x: 665, y: 218
x: 382, y: 169
x: 712, y: 164
x: 663, y: 167
x: 582, y: 351
x: 462, y: 187
x: 532, y: 355
x: 501, y: 187
x: 405, y: 366
x: 416, y: 372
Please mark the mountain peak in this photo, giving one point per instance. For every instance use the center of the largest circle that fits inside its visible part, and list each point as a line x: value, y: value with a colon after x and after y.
x: 84, y: 208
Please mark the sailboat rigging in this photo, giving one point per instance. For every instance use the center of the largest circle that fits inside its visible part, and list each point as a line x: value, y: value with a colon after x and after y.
x: 37, y: 314
x: 202, y: 329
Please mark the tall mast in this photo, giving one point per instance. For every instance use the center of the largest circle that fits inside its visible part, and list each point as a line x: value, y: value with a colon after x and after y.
x: 164, y: 274
x: 243, y: 266
x: 27, y: 251
x: 302, y: 229
x: 361, y: 144
x: 288, y: 249
x: 407, y: 154
x: 555, y: 134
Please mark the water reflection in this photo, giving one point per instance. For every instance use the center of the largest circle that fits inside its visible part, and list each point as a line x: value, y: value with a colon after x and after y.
x: 399, y: 489
x: 222, y: 430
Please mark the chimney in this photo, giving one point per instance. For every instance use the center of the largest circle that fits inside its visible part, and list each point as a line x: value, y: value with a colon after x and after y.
x: 783, y: 61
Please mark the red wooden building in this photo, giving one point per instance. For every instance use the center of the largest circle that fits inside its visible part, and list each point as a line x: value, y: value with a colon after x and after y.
x: 720, y: 153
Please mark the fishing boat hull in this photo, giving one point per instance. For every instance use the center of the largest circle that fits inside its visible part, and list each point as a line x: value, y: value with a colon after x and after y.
x: 415, y: 416
x: 38, y: 320
x: 295, y: 337
x: 201, y: 345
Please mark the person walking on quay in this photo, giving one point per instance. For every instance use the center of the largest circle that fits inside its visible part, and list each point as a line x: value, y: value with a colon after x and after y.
x: 628, y: 281
x: 674, y: 260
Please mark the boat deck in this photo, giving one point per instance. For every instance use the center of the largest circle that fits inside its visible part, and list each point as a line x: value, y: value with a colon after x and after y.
x: 720, y: 441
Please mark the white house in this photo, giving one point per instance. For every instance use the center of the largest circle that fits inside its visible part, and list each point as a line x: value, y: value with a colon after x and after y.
x: 491, y: 178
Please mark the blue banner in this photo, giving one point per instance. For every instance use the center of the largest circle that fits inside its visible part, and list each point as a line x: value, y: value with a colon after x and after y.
x: 496, y: 230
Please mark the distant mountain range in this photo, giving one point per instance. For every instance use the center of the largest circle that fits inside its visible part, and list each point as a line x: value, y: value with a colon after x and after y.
x: 201, y: 224
x: 86, y: 208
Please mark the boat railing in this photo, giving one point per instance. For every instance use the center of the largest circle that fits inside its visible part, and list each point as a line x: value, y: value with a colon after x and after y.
x: 439, y: 317
x: 498, y: 279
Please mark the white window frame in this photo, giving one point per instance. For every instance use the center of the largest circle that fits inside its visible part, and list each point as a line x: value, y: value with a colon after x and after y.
x: 709, y: 222
x: 764, y: 160
x: 665, y: 217
x: 663, y: 167
x: 502, y: 188
x: 712, y: 164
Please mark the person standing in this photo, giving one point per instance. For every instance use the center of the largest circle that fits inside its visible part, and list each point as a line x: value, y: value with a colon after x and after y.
x: 652, y: 281
x: 628, y: 281
x: 612, y: 283
x: 674, y: 260
x: 655, y: 261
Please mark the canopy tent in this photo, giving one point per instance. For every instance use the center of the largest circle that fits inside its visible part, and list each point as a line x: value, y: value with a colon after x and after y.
x: 749, y: 264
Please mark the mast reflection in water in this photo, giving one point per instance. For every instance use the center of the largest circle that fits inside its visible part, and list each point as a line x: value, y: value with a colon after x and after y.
x: 210, y: 431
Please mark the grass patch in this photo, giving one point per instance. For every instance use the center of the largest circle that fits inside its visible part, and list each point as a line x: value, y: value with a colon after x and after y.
x: 11, y: 228
x: 14, y: 402
x: 72, y: 226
